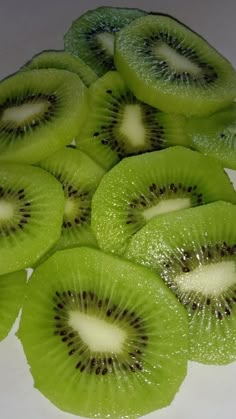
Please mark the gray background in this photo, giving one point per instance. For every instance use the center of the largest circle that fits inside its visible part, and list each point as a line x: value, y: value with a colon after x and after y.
x: 27, y: 27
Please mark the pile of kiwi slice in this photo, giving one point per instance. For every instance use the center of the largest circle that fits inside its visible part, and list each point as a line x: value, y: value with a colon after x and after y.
x: 113, y: 190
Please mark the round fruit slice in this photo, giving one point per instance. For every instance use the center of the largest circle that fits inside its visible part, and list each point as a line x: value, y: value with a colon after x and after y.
x: 194, y: 251
x: 119, y: 125
x: 12, y: 290
x: 143, y: 187
x: 79, y: 176
x: 40, y: 112
x: 91, y: 36
x: 62, y: 61
x: 215, y: 135
x: 103, y: 337
x: 31, y: 210
x: 172, y: 68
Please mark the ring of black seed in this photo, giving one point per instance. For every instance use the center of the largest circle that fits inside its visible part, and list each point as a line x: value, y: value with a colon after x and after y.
x: 94, y: 363
x: 221, y: 306
x: 23, y: 213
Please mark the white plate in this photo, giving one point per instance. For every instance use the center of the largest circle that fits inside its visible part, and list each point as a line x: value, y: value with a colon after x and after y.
x: 26, y: 27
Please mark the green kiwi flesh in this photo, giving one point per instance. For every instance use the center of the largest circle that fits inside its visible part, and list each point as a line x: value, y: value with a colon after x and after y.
x: 172, y: 68
x: 119, y: 125
x: 91, y: 36
x: 40, y: 112
x: 62, y: 61
x: 79, y: 177
x: 12, y: 290
x: 142, y: 187
x: 194, y: 251
x: 215, y: 135
x: 31, y: 211
x: 95, y: 327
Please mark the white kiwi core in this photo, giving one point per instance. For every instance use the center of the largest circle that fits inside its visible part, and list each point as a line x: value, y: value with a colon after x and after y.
x: 23, y: 113
x: 6, y: 210
x: 131, y: 126
x: 106, y: 40
x: 211, y: 279
x: 175, y: 60
x: 167, y: 205
x: 70, y: 207
x: 98, y: 334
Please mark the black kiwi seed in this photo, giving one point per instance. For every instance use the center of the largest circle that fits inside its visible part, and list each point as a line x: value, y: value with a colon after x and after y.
x: 208, y: 74
x: 92, y: 26
x: 208, y: 253
x: 154, y: 193
x: 82, y: 202
x: 109, y: 134
x: 92, y: 362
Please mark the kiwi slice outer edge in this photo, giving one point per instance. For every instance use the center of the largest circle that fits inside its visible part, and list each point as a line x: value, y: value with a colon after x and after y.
x: 62, y: 60
x: 12, y: 292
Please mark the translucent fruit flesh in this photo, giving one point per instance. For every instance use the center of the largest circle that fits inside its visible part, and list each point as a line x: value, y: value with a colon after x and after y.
x: 93, y: 351
x: 194, y: 251
x: 40, y: 112
x: 143, y: 187
x: 31, y: 211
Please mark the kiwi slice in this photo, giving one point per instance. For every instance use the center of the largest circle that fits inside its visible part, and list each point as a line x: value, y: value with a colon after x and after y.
x: 172, y: 68
x: 40, y: 112
x: 79, y: 177
x: 104, y: 337
x: 91, y: 36
x: 143, y: 187
x: 12, y: 290
x: 119, y: 125
x: 31, y: 210
x: 62, y: 61
x: 215, y: 135
x: 194, y: 251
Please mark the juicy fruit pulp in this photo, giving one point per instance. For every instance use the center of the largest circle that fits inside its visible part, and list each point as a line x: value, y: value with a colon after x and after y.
x: 31, y: 210
x: 146, y: 186
x: 89, y: 338
x: 170, y: 67
x: 196, y: 257
x: 40, y: 112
